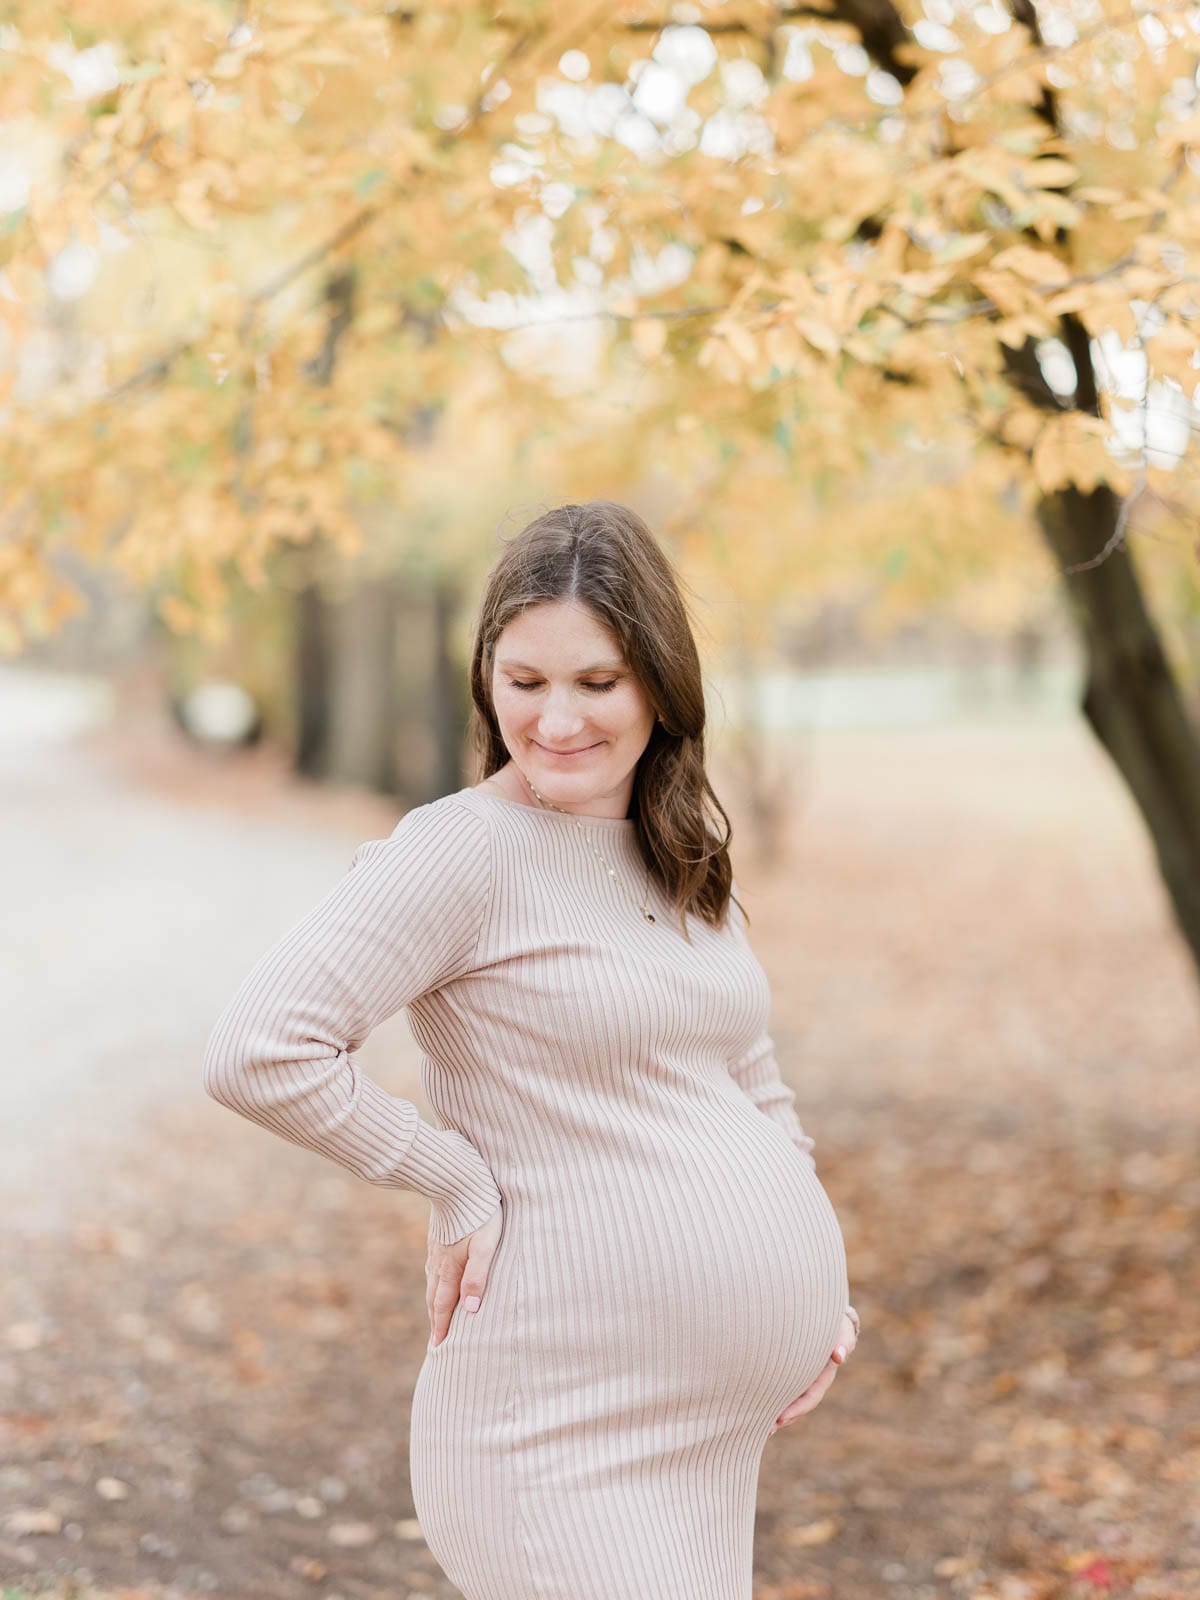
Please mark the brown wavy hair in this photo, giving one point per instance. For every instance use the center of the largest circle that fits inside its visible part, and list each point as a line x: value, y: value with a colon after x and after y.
x: 602, y: 555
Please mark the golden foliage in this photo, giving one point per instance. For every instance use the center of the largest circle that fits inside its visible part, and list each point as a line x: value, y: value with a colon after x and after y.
x: 315, y: 229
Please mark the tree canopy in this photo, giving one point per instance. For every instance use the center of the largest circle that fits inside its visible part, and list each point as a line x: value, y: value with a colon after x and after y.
x: 256, y: 255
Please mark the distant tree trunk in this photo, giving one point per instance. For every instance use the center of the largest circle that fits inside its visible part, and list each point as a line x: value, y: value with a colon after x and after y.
x: 380, y: 699
x: 363, y: 697
x: 383, y: 698
x: 312, y: 669
x: 768, y: 789
x: 315, y: 649
x: 1027, y: 648
x: 450, y: 706
x: 431, y: 708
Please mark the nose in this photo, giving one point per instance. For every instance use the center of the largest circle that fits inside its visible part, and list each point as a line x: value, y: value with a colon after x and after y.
x: 560, y: 720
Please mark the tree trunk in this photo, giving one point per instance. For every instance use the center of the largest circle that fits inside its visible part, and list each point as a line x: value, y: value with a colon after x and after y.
x: 383, y: 698
x: 1132, y: 700
x: 363, y: 692
x: 450, y: 698
x: 312, y: 665
x: 381, y: 702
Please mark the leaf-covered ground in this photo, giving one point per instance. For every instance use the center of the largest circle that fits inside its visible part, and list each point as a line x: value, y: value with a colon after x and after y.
x: 994, y: 1034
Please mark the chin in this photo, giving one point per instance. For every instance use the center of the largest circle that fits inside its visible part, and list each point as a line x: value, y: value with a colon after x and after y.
x: 553, y: 782
x: 588, y: 773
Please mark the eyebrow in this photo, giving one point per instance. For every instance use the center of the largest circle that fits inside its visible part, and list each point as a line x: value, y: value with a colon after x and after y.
x: 510, y: 665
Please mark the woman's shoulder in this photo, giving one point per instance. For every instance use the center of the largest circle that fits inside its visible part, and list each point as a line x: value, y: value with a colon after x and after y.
x: 450, y: 828
x: 455, y: 815
x: 438, y: 855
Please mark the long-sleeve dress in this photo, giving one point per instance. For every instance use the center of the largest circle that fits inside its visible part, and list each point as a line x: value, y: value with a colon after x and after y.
x: 670, y: 1272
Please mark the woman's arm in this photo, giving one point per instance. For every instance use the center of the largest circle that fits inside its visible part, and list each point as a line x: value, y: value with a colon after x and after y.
x: 757, y: 1074
x: 405, y: 919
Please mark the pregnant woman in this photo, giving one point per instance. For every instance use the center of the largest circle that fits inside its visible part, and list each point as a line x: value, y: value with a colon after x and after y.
x: 634, y: 1273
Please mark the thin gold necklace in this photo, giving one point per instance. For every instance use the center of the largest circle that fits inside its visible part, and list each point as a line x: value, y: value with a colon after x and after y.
x: 643, y: 907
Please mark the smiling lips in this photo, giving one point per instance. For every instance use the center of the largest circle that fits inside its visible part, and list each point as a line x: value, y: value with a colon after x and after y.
x: 582, y: 751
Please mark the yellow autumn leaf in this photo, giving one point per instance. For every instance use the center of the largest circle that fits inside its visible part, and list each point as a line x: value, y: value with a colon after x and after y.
x: 1010, y: 294
x: 1071, y: 450
x: 179, y: 617
x: 23, y: 280
x: 1072, y: 299
x: 1038, y: 266
x: 1173, y: 352
x: 1130, y: 210
x: 1022, y: 88
x: 649, y: 337
x: 811, y: 1534
x: 1014, y: 331
x: 1142, y: 282
x: 783, y: 347
x: 862, y: 350
x: 229, y: 65
x: 926, y: 284
x: 195, y: 211
x: 741, y: 341
x: 966, y: 244
x: 715, y: 355
x: 1177, y: 136
x: 1051, y: 172
x: 340, y: 528
x: 819, y: 334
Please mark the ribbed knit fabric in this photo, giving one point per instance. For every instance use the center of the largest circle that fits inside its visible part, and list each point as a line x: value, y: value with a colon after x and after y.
x: 670, y: 1272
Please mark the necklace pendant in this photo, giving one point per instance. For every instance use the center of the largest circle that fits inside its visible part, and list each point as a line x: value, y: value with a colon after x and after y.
x: 644, y: 909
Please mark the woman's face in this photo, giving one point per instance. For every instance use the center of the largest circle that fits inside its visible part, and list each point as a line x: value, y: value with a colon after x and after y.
x: 573, y: 716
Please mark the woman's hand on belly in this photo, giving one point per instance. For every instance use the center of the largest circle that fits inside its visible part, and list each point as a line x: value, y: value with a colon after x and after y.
x: 459, y: 1270
x: 819, y: 1388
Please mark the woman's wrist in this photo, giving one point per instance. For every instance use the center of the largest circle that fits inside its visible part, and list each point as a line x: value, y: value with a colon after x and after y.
x: 446, y: 1167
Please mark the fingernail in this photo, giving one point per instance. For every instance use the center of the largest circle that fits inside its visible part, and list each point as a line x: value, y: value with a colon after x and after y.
x: 774, y: 1429
x: 841, y: 1352
x: 472, y: 1302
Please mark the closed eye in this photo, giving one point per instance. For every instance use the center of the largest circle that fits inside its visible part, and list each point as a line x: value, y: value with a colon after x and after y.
x: 597, y: 688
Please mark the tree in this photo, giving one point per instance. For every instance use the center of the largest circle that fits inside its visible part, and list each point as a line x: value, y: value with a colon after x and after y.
x: 838, y: 231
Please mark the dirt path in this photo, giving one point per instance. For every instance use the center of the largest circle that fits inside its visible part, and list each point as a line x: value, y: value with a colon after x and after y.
x: 135, y: 904
x: 211, y: 1338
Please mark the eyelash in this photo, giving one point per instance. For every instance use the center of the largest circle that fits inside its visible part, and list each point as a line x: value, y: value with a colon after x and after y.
x: 596, y: 688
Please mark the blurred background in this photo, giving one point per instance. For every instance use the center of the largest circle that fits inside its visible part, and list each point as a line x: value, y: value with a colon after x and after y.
x: 883, y: 316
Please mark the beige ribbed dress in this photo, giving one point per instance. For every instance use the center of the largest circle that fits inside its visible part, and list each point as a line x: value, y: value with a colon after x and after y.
x: 670, y: 1272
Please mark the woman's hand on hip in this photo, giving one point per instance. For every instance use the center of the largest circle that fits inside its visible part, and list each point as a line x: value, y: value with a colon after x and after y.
x: 818, y: 1389
x: 459, y: 1271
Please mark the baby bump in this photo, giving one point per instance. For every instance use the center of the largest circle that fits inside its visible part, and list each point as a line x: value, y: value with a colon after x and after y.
x: 770, y: 1281
x: 713, y: 1280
